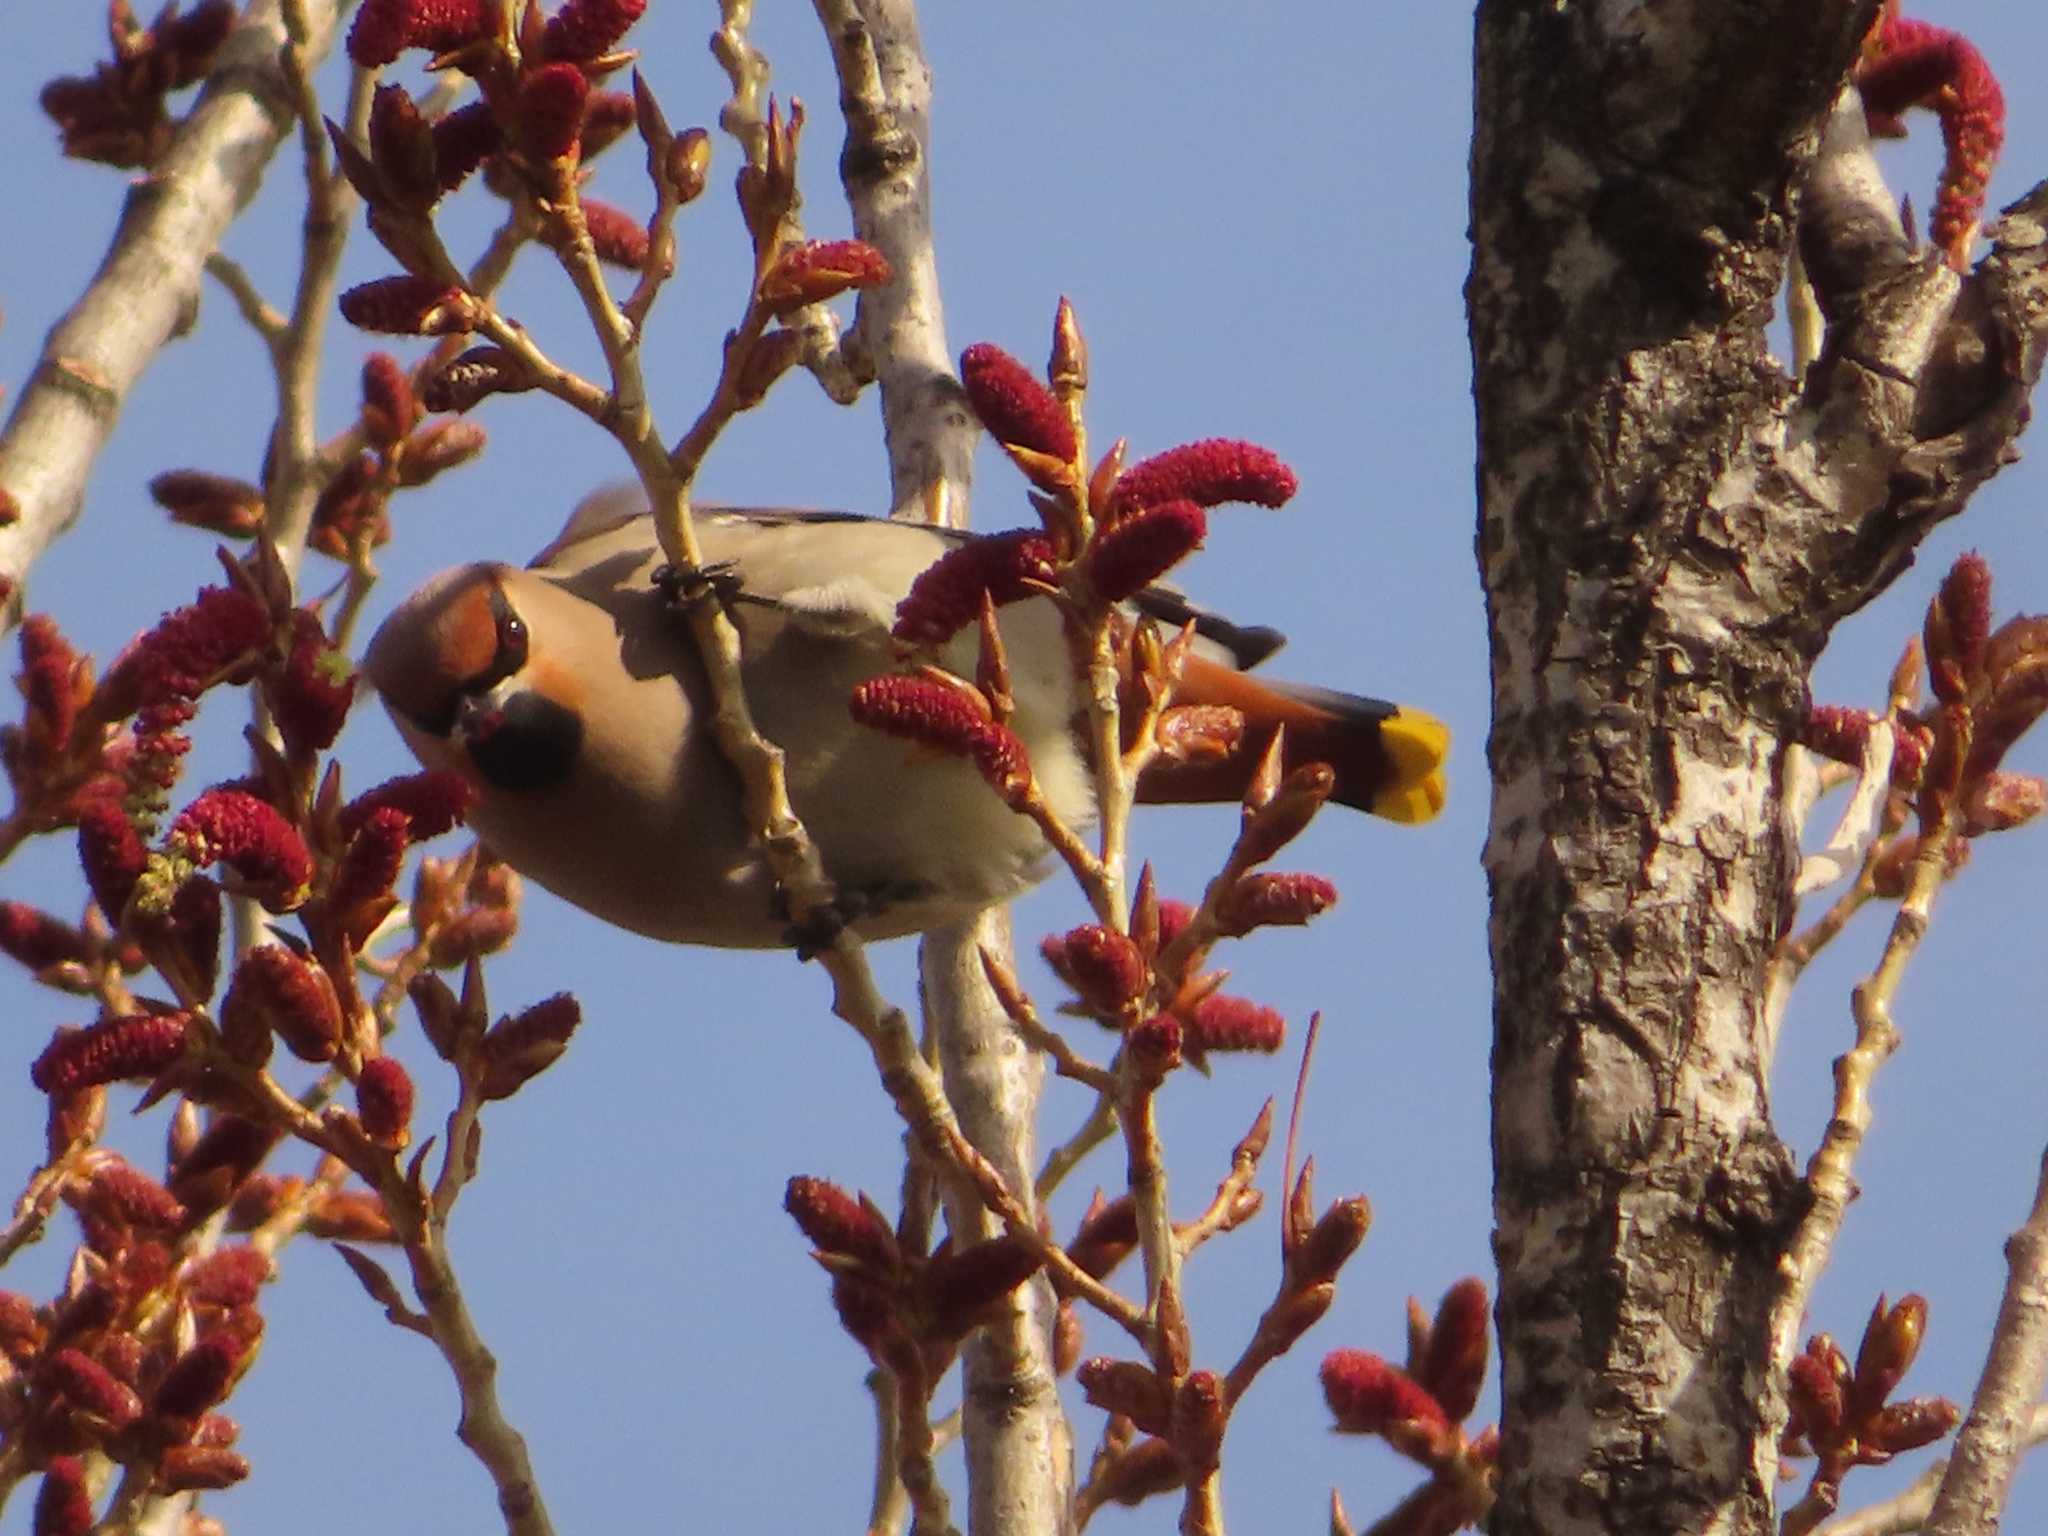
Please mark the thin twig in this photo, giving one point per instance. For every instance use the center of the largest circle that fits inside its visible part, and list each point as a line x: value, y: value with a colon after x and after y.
x: 1907, y: 1510
x: 1068, y: 1155
x: 1829, y: 1173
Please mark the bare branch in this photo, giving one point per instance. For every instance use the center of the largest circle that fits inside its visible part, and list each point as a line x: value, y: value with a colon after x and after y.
x: 147, y: 288
x: 2003, y: 1416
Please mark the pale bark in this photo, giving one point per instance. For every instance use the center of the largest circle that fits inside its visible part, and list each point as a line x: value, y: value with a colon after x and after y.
x: 2000, y: 1428
x: 1018, y: 1444
x: 146, y: 292
x: 1668, y: 531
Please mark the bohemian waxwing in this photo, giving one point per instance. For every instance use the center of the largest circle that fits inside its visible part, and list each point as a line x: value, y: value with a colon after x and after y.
x: 569, y: 697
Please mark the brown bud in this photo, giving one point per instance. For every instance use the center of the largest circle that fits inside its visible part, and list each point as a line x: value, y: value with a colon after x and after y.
x: 1273, y: 825
x: 521, y: 1047
x: 1200, y: 733
x: 1153, y: 1049
x: 1909, y: 1425
x: 686, y: 165
x: 476, y: 373
x: 230, y: 1150
x: 1891, y: 1341
x: 231, y: 508
x: 959, y: 1286
x: 1293, y: 1313
x: 351, y: 1216
x: 402, y: 147
x: 1107, y: 1236
x: 1067, y: 368
x: 1148, y: 1468
x: 1201, y: 1411
x: 1128, y: 1387
x: 437, y: 448
x: 1069, y: 1338
x: 1322, y: 1250
x: 187, y: 1468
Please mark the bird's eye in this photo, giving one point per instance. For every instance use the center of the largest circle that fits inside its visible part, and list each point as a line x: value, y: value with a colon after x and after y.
x: 511, y: 637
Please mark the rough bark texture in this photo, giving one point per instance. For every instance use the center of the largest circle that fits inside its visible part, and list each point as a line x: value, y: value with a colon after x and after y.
x: 1668, y: 530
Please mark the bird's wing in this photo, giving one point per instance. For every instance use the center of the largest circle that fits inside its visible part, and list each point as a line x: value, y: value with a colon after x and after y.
x: 837, y: 574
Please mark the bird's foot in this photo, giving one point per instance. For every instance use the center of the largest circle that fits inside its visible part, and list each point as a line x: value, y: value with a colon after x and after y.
x: 819, y: 928
x: 683, y: 587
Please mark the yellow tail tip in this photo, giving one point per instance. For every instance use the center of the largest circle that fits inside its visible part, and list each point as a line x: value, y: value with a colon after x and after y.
x: 1415, y: 744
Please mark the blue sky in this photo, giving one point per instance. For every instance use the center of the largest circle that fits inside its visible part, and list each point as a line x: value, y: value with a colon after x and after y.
x: 1262, y: 228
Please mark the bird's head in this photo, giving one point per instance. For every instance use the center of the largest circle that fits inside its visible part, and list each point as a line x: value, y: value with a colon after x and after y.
x: 464, y: 667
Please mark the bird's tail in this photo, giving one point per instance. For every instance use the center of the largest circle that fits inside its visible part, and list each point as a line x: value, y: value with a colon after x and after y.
x: 1389, y: 760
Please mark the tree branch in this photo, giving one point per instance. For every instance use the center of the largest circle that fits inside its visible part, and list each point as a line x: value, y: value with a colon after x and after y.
x: 146, y: 291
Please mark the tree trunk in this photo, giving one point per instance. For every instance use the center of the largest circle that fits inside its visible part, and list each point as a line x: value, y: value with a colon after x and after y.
x: 1668, y: 529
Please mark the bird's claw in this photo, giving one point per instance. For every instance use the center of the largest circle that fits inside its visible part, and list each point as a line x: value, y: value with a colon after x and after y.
x: 683, y: 587
x: 819, y: 929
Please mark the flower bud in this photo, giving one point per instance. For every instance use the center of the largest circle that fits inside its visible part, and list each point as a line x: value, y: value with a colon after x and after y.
x: 1138, y: 549
x: 1208, y: 473
x: 1224, y: 1022
x: 550, y: 110
x: 410, y: 306
x: 841, y: 1225
x: 1370, y: 1397
x: 252, y: 839
x: 947, y: 595
x: 618, y: 238
x: 1128, y: 1387
x: 384, y: 1097
x: 951, y: 719
x: 191, y: 1468
x: 91, y: 1388
x: 1454, y: 1365
x: 1103, y: 966
x: 1273, y: 825
x: 1018, y: 411
x: 1154, y: 1049
x: 64, y: 1503
x: 820, y: 270
x: 520, y: 1048
x: 959, y: 1286
x: 586, y: 29
x: 231, y: 508
x: 134, y: 1046
x: 276, y: 991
